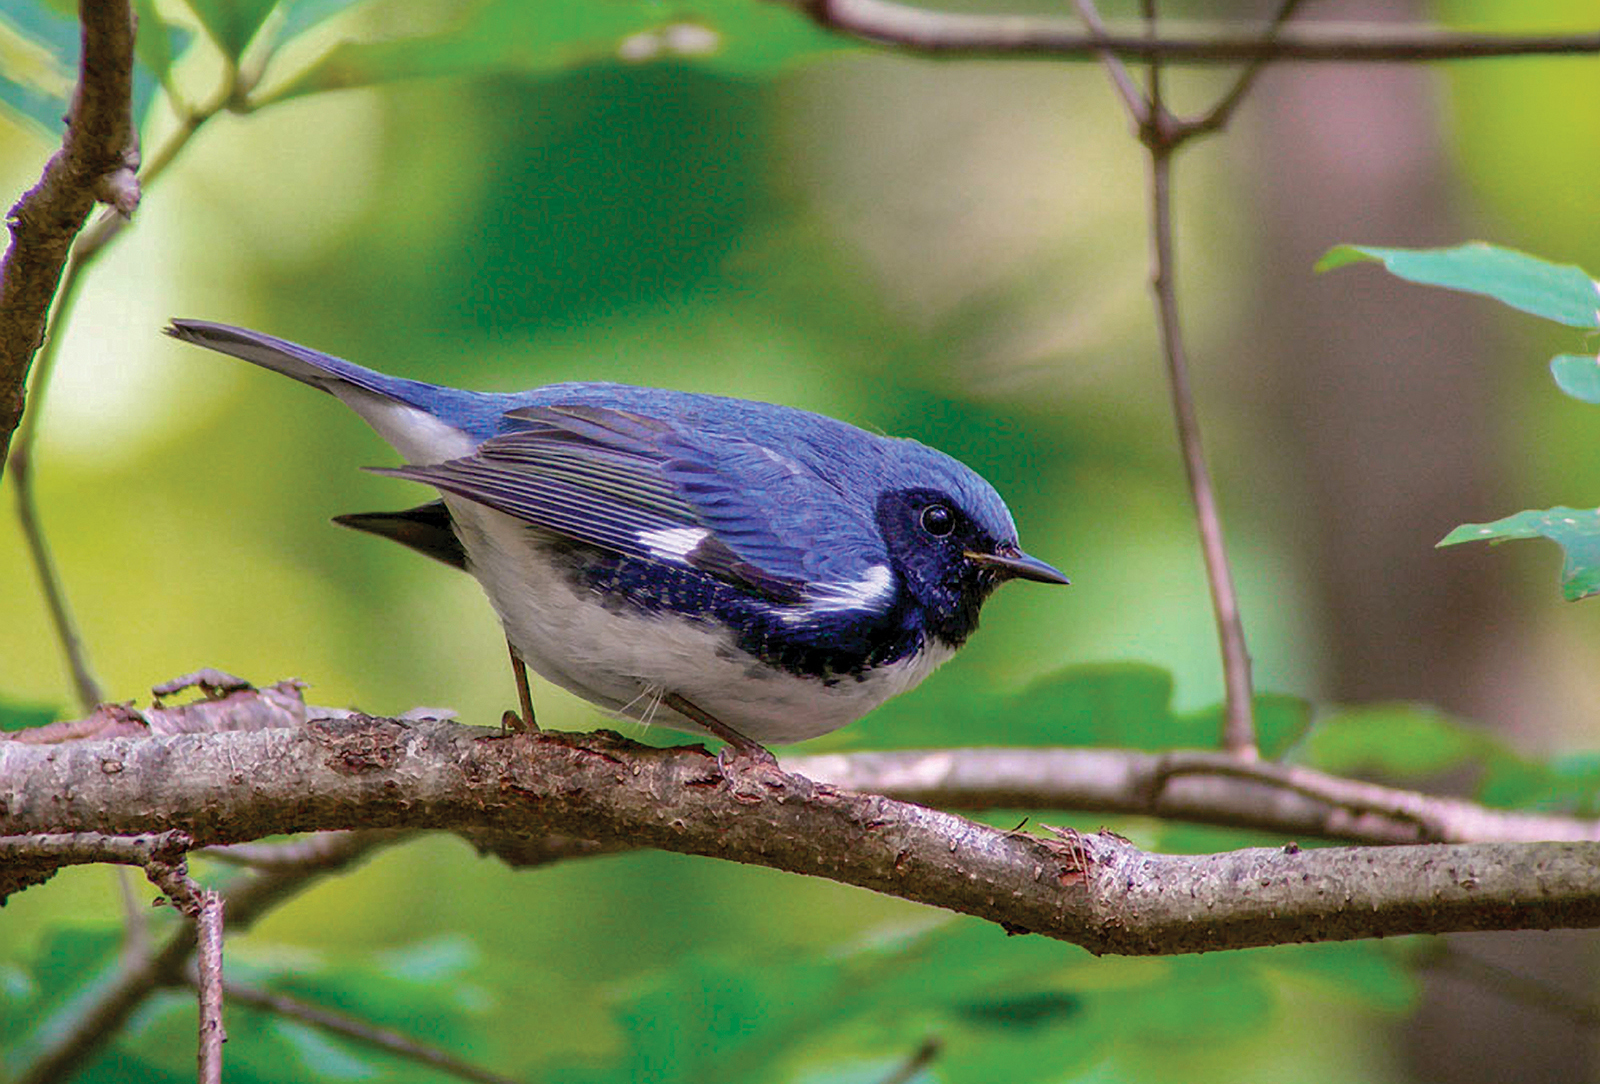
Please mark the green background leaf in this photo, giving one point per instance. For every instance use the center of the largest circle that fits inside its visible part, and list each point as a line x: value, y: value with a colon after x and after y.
x: 1558, y: 292
x: 1576, y: 531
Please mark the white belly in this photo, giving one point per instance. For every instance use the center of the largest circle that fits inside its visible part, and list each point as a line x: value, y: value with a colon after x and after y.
x: 627, y: 661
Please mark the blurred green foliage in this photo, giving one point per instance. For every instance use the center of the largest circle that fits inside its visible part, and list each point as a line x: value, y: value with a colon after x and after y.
x: 611, y: 191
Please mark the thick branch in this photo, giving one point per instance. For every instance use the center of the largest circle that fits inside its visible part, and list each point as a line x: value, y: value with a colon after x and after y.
x: 96, y: 162
x: 1099, y: 892
x: 944, y: 33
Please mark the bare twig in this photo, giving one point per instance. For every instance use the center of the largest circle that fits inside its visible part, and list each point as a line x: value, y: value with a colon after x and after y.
x: 208, y: 984
x: 1202, y: 787
x: 943, y: 33
x: 202, y: 907
x: 96, y: 162
x: 1162, y: 134
x: 378, y: 1038
x: 95, y: 1020
x: 1121, y: 78
x: 1217, y: 116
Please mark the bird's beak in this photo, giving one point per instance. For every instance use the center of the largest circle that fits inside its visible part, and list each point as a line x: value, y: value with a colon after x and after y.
x: 1010, y: 561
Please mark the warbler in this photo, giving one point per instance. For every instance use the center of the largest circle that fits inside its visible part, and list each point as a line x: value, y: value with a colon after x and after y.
x: 754, y: 572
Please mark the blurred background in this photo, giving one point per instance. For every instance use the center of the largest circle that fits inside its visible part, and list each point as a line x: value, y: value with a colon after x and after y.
x: 954, y: 252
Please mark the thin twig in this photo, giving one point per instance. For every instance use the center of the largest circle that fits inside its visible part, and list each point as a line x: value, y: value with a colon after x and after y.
x: 1121, y: 78
x: 1217, y: 116
x: 914, y: 29
x: 203, y: 908
x: 1238, y: 733
x: 209, y: 987
x: 1161, y: 133
x: 379, y: 1038
x: 96, y: 1020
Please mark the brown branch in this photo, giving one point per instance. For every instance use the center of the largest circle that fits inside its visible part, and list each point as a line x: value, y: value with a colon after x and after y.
x: 371, y: 1035
x: 943, y: 33
x: 1162, y: 134
x: 96, y: 162
x: 97, y: 1019
x: 208, y: 986
x: 1101, y: 892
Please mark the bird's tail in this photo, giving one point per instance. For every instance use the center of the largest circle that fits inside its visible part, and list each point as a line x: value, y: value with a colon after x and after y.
x: 291, y: 359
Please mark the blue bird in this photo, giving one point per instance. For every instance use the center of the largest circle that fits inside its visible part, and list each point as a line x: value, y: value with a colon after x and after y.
x: 754, y: 572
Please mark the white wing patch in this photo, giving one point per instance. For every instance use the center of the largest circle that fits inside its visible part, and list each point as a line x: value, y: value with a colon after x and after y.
x: 673, y: 543
x: 870, y: 593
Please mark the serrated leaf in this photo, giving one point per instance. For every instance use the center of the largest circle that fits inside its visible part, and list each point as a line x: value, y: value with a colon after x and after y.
x: 1578, y: 375
x: 519, y: 36
x: 232, y: 23
x: 1576, y: 531
x: 1559, y: 292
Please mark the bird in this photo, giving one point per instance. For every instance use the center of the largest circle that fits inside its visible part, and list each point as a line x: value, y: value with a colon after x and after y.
x: 753, y: 572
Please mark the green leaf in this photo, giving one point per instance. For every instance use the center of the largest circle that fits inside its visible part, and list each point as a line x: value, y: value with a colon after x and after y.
x: 1576, y: 531
x: 232, y: 23
x: 497, y: 36
x: 1578, y: 375
x: 1559, y: 292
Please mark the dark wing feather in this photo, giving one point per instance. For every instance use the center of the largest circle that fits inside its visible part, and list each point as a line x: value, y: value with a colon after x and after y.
x: 619, y: 480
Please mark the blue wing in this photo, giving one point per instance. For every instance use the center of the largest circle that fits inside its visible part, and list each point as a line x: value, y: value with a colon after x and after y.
x: 638, y: 486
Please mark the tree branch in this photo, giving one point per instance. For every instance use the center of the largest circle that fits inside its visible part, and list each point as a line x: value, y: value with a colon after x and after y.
x: 97, y: 162
x: 1201, y: 787
x: 943, y: 33
x: 97, y: 1018
x: 1099, y: 892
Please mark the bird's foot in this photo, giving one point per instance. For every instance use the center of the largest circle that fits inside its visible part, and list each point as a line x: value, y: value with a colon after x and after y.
x: 740, y: 755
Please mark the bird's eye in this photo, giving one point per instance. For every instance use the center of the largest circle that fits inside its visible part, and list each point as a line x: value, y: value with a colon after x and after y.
x: 938, y: 520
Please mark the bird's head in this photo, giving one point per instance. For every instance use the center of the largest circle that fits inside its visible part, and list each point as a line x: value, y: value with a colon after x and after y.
x: 951, y: 541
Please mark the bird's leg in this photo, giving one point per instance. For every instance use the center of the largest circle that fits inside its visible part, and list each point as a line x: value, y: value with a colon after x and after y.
x: 742, y: 746
x: 510, y: 720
